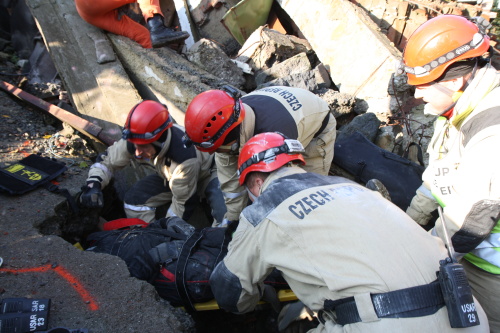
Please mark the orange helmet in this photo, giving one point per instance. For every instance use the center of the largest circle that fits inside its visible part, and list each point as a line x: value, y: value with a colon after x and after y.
x: 211, y: 116
x: 267, y: 152
x: 146, y: 122
x: 440, y: 42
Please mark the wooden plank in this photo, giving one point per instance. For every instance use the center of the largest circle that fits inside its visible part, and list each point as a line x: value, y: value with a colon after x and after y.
x: 76, y: 122
x: 101, y: 93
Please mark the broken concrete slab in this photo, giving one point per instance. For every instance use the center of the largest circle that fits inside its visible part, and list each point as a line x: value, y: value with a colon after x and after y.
x: 340, y: 103
x: 314, y: 80
x: 209, y: 56
x: 294, y: 65
x: 101, y: 93
x: 266, y: 47
x: 164, y: 75
x: 42, y: 68
x: 360, y: 58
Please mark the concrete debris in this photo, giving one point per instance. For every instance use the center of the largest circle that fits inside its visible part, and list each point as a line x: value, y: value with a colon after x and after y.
x: 313, y: 80
x: 340, y: 104
x: 103, y: 48
x: 294, y: 65
x: 40, y: 65
x: 163, y: 75
x: 213, y: 59
x: 367, y: 124
x: 267, y: 47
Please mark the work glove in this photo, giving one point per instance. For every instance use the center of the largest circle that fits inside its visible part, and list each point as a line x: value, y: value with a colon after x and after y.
x: 293, y: 312
x: 418, y: 216
x: 92, y: 195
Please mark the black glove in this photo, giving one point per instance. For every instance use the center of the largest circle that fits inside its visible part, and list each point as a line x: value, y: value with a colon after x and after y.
x: 92, y: 195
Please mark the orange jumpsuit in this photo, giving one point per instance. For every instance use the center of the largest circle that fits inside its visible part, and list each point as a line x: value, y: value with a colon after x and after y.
x: 103, y: 14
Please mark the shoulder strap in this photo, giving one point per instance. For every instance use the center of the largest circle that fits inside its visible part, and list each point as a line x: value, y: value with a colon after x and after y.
x: 180, y: 270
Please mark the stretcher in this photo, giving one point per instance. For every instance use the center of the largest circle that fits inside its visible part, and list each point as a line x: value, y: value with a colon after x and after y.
x: 284, y: 295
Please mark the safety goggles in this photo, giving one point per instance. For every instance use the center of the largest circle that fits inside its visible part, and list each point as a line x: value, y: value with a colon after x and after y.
x: 290, y: 146
x: 127, y: 134
x: 235, y: 95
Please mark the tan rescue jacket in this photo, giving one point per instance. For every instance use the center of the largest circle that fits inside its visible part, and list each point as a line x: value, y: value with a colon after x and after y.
x: 295, y: 112
x: 186, y: 174
x: 331, y: 239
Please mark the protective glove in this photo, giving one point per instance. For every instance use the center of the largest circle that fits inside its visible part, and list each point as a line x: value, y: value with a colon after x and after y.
x: 92, y: 195
x: 422, y: 205
x: 293, y: 312
x: 418, y: 216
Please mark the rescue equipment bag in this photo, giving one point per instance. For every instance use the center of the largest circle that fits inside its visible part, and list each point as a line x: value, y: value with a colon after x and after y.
x: 365, y: 160
x: 29, y: 173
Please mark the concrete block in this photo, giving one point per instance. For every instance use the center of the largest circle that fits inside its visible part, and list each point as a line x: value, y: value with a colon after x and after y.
x: 164, y: 75
x: 266, y: 48
x: 209, y: 56
x: 360, y: 58
x: 296, y: 64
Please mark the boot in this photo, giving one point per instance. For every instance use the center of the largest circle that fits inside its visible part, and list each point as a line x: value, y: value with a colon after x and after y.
x: 161, y: 35
x: 376, y: 185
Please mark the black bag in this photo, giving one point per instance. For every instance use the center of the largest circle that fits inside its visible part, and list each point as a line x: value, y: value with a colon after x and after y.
x: 29, y: 173
x: 186, y: 267
x: 133, y: 245
x: 174, y: 257
x: 365, y: 160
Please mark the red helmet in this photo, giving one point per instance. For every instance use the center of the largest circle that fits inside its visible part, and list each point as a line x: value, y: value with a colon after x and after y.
x: 211, y: 116
x: 267, y: 152
x: 440, y: 42
x: 146, y: 122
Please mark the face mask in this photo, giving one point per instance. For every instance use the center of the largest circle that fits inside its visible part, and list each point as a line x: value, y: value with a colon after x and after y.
x: 429, y: 108
x: 251, y: 195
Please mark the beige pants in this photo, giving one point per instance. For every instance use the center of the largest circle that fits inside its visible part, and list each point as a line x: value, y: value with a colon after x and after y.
x: 486, y: 288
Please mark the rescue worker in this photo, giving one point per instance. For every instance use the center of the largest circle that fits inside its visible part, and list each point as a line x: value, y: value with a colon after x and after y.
x: 444, y: 60
x: 347, y: 253
x: 220, y: 122
x: 183, y: 175
x: 104, y: 14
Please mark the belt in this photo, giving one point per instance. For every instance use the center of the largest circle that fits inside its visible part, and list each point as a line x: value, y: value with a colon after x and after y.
x: 403, y: 303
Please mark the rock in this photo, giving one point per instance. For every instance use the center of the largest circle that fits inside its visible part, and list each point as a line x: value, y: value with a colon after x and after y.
x: 266, y: 47
x: 367, y: 124
x: 313, y: 80
x: 209, y: 56
x: 339, y: 103
x: 294, y: 65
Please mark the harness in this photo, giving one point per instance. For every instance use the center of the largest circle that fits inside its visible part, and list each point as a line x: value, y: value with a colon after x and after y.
x: 403, y: 303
